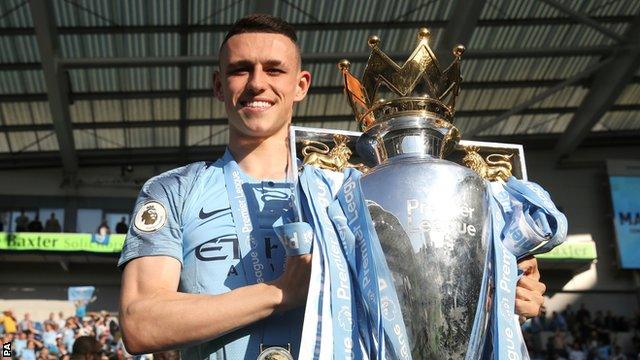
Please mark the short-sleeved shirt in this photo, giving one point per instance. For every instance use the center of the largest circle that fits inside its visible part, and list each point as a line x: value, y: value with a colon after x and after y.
x: 185, y: 214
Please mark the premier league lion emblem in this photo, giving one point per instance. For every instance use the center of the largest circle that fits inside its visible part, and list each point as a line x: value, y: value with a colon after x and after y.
x: 150, y: 217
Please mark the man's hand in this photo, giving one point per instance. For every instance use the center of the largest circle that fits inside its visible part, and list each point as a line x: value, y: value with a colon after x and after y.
x: 294, y: 282
x: 529, y: 291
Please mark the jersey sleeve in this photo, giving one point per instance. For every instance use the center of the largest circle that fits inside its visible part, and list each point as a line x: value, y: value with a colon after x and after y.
x: 156, y: 223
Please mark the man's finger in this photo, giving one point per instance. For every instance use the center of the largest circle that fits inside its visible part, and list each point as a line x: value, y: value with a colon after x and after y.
x: 527, y: 309
x: 528, y: 295
x: 529, y: 283
x: 529, y: 266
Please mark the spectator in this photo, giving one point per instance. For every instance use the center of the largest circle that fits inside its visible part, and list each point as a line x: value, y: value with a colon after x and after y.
x: 51, y: 320
x: 583, y: 313
x: 617, y: 354
x: 576, y: 353
x: 26, y: 324
x: 35, y: 225
x: 3, y: 220
x: 9, y: 322
x: 49, y: 335
x: 52, y: 224
x: 22, y: 221
x: 558, y: 322
x: 29, y: 353
x: 61, y: 320
x: 20, y: 344
x: 122, y: 227
x: 87, y: 348
x: 45, y: 354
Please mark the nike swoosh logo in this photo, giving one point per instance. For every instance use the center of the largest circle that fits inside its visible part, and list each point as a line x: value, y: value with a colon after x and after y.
x: 204, y: 215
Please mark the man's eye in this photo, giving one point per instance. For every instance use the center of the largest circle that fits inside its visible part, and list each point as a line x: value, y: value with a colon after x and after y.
x: 237, y: 71
x: 275, y: 71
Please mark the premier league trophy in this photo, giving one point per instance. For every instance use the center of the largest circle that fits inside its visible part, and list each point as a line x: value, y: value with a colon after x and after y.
x: 446, y: 235
x: 430, y: 214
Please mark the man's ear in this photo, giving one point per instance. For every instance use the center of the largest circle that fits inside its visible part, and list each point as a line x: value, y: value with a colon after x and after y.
x: 304, y: 81
x: 217, y: 86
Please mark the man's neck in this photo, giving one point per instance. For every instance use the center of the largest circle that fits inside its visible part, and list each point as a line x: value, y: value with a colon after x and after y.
x: 261, y: 159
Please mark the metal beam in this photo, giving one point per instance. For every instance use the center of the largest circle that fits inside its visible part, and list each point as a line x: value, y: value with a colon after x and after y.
x: 299, y: 120
x: 170, y: 155
x: 313, y: 26
x: 175, y: 61
x: 212, y: 60
x: 608, y: 83
x: 585, y: 19
x: 47, y: 39
x: 199, y: 93
x: 545, y: 94
x: 462, y: 22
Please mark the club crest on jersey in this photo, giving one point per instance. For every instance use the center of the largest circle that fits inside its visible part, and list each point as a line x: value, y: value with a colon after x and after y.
x: 150, y: 217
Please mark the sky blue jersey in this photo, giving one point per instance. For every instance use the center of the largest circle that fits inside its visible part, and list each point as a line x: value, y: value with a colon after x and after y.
x: 185, y: 214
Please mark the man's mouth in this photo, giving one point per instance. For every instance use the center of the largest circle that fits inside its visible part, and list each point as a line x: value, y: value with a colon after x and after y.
x: 256, y: 105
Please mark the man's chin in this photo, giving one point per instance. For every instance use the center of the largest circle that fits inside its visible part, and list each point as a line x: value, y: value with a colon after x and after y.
x: 260, y: 131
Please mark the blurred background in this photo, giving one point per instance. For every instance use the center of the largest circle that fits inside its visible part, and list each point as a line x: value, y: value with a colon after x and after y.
x: 98, y: 96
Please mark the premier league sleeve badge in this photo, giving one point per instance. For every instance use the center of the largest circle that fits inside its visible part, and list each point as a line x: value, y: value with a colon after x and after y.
x: 151, y: 216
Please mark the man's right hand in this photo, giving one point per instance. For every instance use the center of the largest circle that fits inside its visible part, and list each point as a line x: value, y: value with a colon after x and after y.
x: 294, y: 282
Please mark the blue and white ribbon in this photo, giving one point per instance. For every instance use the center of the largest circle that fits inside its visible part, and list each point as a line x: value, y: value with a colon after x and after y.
x: 524, y: 222
x: 345, y: 335
x: 353, y: 310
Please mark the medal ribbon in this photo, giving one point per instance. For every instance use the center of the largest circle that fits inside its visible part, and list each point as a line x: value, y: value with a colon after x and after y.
x: 345, y: 336
x: 295, y: 236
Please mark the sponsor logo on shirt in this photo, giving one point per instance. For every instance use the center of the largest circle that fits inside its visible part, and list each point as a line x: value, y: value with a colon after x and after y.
x: 205, y: 215
x: 214, y: 249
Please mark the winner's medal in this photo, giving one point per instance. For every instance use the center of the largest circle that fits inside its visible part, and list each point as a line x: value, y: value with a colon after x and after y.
x: 275, y: 353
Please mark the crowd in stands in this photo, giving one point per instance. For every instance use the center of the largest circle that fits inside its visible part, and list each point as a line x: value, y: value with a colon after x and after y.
x: 570, y: 335
x: 94, y: 336
x: 581, y: 335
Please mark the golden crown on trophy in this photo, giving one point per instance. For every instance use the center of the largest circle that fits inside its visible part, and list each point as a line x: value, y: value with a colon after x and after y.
x: 436, y: 89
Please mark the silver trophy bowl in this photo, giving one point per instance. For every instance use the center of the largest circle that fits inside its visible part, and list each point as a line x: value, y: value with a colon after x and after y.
x: 431, y: 216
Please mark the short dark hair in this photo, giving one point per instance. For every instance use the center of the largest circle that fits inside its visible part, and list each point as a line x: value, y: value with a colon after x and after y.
x: 261, y: 23
x: 86, y: 345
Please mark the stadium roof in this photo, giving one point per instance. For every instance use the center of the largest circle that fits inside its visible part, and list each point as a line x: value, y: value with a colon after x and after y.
x: 90, y: 82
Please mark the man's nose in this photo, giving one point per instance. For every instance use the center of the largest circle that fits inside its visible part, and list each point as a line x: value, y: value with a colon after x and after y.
x: 257, y: 81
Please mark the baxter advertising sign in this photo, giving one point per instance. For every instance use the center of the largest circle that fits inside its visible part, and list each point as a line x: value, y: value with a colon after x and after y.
x: 67, y: 242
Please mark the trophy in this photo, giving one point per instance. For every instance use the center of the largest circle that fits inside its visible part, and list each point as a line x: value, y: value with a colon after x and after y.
x: 430, y: 214
x: 438, y: 221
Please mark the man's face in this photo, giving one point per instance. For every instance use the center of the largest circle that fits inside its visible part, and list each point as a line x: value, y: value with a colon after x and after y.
x: 259, y: 81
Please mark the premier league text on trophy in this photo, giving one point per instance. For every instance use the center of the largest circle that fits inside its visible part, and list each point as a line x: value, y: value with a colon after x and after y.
x: 422, y: 216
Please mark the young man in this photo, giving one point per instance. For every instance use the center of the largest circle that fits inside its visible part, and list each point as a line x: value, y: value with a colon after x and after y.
x: 191, y: 278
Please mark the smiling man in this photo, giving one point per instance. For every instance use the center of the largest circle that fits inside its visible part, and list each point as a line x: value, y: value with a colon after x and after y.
x: 207, y: 274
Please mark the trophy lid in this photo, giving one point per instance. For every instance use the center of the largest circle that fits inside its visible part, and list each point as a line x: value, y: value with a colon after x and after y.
x: 418, y: 117
x: 419, y: 86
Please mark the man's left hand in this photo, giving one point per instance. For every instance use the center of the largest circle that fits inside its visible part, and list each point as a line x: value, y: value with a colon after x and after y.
x: 529, y: 291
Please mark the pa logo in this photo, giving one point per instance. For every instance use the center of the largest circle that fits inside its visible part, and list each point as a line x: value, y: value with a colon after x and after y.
x: 344, y: 318
x: 6, y: 350
x: 388, y: 308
